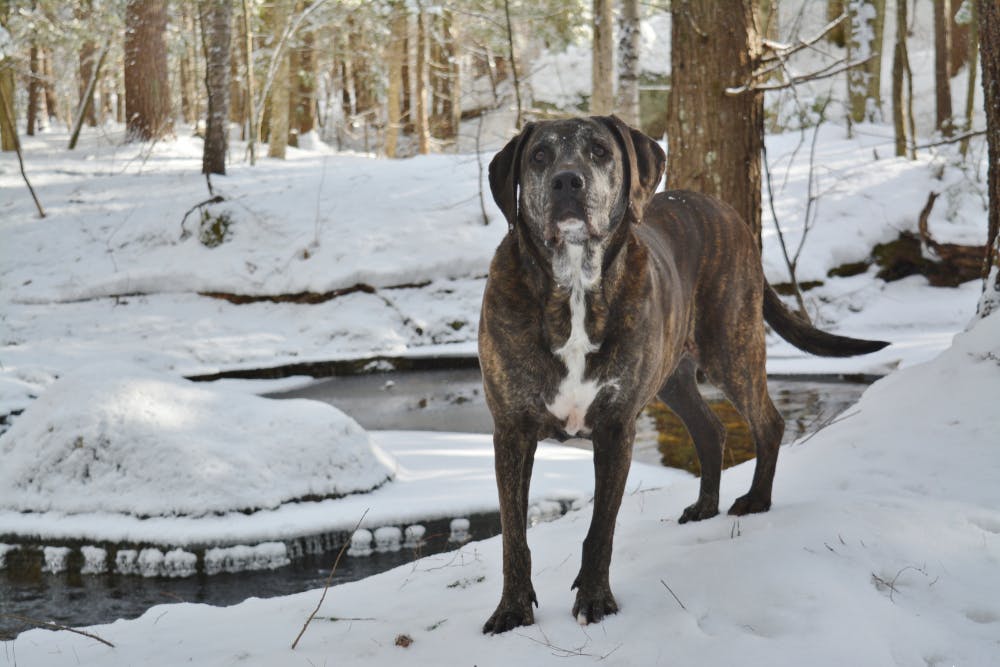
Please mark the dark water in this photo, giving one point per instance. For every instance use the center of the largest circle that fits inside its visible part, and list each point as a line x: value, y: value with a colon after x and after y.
x: 447, y: 400
x: 452, y: 400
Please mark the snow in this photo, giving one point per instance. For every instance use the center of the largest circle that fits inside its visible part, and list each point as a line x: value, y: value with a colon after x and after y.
x: 882, y: 545
x: 117, y: 438
x: 881, y: 548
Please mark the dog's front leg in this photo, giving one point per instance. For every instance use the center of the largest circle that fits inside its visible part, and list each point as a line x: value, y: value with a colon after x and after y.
x: 514, y: 451
x: 612, y: 456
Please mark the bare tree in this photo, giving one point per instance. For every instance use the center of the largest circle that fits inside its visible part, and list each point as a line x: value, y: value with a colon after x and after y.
x: 902, y: 98
x: 422, y: 120
x: 942, y: 63
x: 216, y: 21
x: 838, y: 35
x: 971, y: 20
x: 147, y: 84
x: 396, y: 58
x: 628, y: 63
x: 715, y: 45
x: 277, y: 138
x: 989, y: 40
x: 88, y: 56
x: 602, y: 89
x: 864, y: 44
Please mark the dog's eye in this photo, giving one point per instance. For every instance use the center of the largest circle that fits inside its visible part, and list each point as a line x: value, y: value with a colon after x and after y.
x: 598, y: 150
x: 538, y: 156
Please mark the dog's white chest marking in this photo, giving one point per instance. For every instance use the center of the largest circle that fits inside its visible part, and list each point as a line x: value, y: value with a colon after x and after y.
x: 575, y: 394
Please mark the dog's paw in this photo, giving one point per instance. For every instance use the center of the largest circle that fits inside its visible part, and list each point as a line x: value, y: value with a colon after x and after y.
x: 703, y: 509
x: 750, y: 504
x: 511, y: 614
x: 592, y: 607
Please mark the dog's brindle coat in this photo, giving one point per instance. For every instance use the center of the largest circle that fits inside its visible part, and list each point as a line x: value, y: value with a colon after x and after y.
x: 589, y: 314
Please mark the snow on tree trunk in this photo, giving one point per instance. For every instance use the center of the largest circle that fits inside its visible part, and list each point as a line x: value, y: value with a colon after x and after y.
x: 989, y: 44
x: 216, y: 20
x: 867, y: 19
x: 715, y: 140
x: 900, y: 69
x: 602, y: 96
x: 147, y: 84
x: 628, y: 63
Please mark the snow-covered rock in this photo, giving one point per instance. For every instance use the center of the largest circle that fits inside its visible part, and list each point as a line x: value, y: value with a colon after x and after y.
x: 118, y: 438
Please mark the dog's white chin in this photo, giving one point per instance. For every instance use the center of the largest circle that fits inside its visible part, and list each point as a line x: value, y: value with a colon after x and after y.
x: 572, y: 230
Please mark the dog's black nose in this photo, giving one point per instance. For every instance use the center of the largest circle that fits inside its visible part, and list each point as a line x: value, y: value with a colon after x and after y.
x: 567, y: 182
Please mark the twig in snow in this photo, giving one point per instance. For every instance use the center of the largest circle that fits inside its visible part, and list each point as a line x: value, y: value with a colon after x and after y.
x: 828, y: 422
x: 9, y: 115
x: 56, y: 626
x: 674, y: 594
x: 214, y: 200
x: 329, y: 579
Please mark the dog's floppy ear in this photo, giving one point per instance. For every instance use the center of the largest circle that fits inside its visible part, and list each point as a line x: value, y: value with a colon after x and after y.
x: 644, y: 162
x: 505, y: 168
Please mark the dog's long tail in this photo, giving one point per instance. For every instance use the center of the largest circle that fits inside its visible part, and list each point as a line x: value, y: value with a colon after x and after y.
x: 808, y: 338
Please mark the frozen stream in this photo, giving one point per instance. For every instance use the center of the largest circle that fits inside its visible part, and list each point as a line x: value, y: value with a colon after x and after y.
x: 444, y: 400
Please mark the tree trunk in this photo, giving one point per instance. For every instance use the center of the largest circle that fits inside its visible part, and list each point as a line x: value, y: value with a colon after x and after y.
x: 34, y: 88
x: 188, y: 64
x: 628, y: 63
x: 715, y: 140
x: 8, y: 122
x: 147, y: 84
x: 304, y: 77
x: 834, y: 8
x: 87, y: 56
x: 216, y: 22
x: 970, y: 91
x: 768, y: 20
x: 396, y: 56
x: 48, y: 85
x: 942, y: 61
x: 406, y: 95
x: 900, y: 66
x: 453, y: 100
x: 989, y: 44
x: 253, y: 131
x: 867, y: 19
x: 422, y: 121
x: 602, y: 88
x: 960, y: 36
x: 278, y: 126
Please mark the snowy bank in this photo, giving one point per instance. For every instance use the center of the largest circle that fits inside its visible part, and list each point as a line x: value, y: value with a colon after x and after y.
x: 120, y: 439
x: 881, y: 549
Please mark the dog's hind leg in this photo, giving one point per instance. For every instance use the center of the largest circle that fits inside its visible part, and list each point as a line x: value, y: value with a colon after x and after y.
x: 612, y: 455
x: 680, y: 393
x: 743, y: 379
x: 514, y: 449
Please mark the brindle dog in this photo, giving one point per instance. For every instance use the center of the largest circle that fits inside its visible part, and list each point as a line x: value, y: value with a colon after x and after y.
x: 589, y: 314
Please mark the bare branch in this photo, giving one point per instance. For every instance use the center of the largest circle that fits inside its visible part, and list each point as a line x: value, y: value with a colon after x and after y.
x: 782, y: 51
x: 825, y: 73
x: 329, y: 579
x: 50, y: 625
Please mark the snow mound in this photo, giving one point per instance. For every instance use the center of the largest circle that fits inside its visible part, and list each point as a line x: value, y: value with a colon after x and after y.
x: 119, y: 438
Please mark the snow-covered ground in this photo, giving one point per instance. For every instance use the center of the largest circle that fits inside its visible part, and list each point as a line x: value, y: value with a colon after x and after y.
x: 881, y: 549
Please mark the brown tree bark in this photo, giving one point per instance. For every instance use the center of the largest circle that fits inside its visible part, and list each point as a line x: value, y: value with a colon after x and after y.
x: 216, y: 21
x: 188, y: 64
x: 627, y: 107
x: 34, y: 89
x: 49, y: 87
x: 715, y: 140
x: 304, y: 80
x: 277, y: 141
x: 989, y: 45
x: 602, y: 88
x: 942, y: 62
x: 87, y: 57
x: 838, y: 35
x: 422, y: 120
x: 866, y: 22
x: 396, y: 57
x: 900, y: 68
x: 147, y: 85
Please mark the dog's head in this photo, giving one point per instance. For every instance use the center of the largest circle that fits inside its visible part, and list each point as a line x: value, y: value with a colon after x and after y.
x: 573, y: 181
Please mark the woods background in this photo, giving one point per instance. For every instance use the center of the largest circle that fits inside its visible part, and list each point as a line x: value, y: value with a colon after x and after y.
x: 399, y: 78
